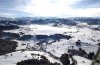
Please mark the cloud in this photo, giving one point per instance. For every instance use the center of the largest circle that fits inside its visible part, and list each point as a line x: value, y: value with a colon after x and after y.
x: 59, y: 8
x: 13, y: 7
x: 7, y: 15
x: 48, y: 7
x: 87, y: 4
x: 12, y: 3
x: 55, y: 8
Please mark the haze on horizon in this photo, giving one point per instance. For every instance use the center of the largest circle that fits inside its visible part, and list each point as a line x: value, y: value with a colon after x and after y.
x: 50, y: 8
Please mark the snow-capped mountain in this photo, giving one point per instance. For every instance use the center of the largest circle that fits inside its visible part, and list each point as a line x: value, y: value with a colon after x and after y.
x: 44, y: 20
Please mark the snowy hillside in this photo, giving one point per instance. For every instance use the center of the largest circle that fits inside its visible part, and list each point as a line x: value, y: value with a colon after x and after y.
x: 52, y: 42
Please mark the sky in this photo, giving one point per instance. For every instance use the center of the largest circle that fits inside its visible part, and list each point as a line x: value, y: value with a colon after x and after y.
x: 50, y: 8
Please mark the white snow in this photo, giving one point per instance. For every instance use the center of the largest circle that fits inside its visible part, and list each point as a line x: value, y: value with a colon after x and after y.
x: 18, y: 56
x: 80, y: 32
x: 82, y: 61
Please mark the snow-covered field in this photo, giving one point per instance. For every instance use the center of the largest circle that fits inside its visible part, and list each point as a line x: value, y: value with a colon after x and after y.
x: 85, y: 33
